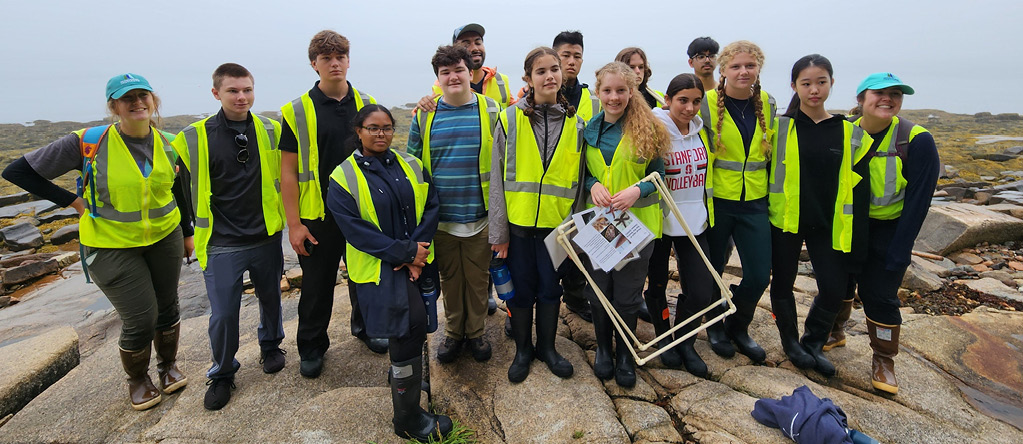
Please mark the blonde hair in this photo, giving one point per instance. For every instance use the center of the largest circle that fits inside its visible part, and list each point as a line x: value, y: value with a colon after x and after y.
x: 650, y: 139
x: 154, y: 121
x: 725, y: 57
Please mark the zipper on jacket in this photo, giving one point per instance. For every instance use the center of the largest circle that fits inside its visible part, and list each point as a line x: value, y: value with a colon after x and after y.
x: 539, y: 195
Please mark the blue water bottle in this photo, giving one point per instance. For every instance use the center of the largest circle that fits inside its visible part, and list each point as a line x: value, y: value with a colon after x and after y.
x: 428, y: 289
x: 502, y: 278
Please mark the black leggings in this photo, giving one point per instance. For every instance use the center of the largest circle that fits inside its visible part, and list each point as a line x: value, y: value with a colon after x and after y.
x: 830, y: 266
x: 696, y: 280
x: 411, y: 345
x: 879, y: 286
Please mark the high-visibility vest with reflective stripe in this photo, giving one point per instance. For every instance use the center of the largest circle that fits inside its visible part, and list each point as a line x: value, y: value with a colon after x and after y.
x: 589, y: 105
x: 625, y: 171
x: 784, y: 200
x: 300, y: 116
x: 130, y: 210
x: 363, y: 267
x: 489, y: 110
x: 535, y: 197
x: 496, y: 87
x: 734, y: 169
x: 192, y: 145
x: 887, y: 185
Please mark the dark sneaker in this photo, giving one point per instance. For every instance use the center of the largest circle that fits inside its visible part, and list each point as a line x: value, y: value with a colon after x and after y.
x: 272, y: 360
x: 218, y: 394
x: 375, y: 345
x: 480, y: 349
x: 311, y: 368
x: 449, y: 349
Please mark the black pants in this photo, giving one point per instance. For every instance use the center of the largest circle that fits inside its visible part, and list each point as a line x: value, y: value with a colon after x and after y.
x: 623, y: 288
x: 409, y: 346
x: 830, y: 266
x: 319, y: 275
x: 696, y: 280
x: 878, y: 286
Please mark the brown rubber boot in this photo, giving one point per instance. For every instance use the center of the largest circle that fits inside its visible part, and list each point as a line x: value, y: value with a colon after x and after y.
x: 837, y: 336
x: 165, y: 343
x: 884, y: 340
x: 141, y: 391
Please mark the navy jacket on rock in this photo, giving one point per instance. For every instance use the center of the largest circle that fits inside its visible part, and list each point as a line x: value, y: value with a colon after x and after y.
x: 385, y: 306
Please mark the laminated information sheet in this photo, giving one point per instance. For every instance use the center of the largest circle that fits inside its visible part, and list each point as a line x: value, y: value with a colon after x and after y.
x: 610, y: 237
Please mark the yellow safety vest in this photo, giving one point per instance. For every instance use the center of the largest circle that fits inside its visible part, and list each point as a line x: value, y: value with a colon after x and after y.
x: 496, y: 87
x: 625, y: 171
x: 589, y: 105
x: 192, y: 145
x: 489, y: 110
x: 735, y: 169
x: 887, y: 185
x: 783, y: 208
x: 300, y: 116
x: 131, y: 210
x: 535, y: 197
x: 364, y: 268
x: 658, y: 97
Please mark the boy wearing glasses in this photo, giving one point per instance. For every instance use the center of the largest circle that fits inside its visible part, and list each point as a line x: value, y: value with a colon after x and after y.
x: 454, y: 142
x: 703, y: 54
x: 314, y: 141
x: 234, y: 169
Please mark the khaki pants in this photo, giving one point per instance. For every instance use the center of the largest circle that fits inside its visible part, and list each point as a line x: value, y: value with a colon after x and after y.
x: 464, y: 264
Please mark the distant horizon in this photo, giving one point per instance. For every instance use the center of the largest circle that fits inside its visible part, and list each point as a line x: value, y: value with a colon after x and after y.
x: 56, y: 68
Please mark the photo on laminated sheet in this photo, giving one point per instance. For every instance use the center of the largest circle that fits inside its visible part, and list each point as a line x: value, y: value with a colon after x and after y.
x: 610, y: 237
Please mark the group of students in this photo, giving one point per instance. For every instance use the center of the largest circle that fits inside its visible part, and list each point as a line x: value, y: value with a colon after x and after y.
x: 488, y: 175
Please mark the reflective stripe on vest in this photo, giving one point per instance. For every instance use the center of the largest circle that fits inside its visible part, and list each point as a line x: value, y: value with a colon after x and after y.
x: 887, y: 184
x: 589, y: 105
x: 489, y: 110
x: 536, y: 197
x: 735, y: 169
x: 623, y: 172
x: 300, y: 115
x: 130, y: 210
x: 363, y: 267
x: 196, y: 150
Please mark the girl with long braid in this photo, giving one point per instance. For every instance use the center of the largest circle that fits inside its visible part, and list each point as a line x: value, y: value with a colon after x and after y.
x: 534, y: 183
x: 624, y: 144
x: 741, y: 117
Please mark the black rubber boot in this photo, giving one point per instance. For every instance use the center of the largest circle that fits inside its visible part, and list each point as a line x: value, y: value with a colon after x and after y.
x: 719, y: 341
x: 815, y: 334
x: 522, y: 331
x: 737, y: 328
x: 603, y: 363
x: 625, y: 364
x: 574, y: 283
x: 546, y: 333
x: 410, y: 420
x: 785, y: 319
x: 644, y: 312
x: 687, y: 354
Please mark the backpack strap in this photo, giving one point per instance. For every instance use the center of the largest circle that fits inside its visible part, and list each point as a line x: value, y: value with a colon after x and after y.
x: 902, y: 133
x: 89, y: 145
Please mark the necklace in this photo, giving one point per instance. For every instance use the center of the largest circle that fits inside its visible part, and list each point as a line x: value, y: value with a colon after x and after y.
x: 742, y: 112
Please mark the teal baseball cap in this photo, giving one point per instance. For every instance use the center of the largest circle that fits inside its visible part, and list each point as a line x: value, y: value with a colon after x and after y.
x: 117, y: 86
x: 882, y: 80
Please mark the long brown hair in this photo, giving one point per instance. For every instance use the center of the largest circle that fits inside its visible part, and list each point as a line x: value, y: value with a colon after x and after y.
x: 527, y: 66
x: 650, y: 139
x: 726, y: 56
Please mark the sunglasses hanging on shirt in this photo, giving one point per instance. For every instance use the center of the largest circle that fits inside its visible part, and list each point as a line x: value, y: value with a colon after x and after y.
x: 243, y: 143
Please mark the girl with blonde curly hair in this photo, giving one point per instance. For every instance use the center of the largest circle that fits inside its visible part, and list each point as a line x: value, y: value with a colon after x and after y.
x: 624, y: 143
x: 740, y: 117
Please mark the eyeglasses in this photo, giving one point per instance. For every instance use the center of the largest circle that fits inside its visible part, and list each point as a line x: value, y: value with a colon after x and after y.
x: 375, y: 130
x: 702, y: 57
x: 243, y: 143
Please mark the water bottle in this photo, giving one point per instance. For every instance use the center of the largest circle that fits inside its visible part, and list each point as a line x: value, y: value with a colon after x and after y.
x: 502, y: 278
x: 428, y: 289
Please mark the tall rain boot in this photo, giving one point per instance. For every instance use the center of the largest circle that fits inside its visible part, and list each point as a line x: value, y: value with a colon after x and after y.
x: 661, y: 320
x: 165, y: 344
x: 737, y: 328
x: 687, y: 352
x: 141, y: 391
x: 884, y: 340
x: 625, y: 364
x: 719, y: 341
x: 546, y: 333
x: 815, y: 334
x: 410, y: 420
x: 603, y: 363
x: 788, y: 329
x: 522, y: 331
x: 837, y: 337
